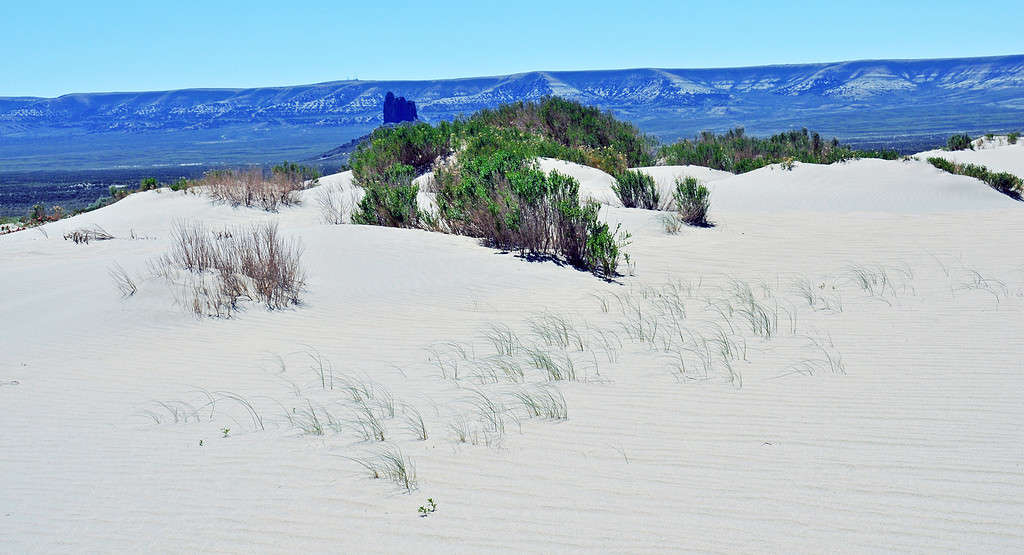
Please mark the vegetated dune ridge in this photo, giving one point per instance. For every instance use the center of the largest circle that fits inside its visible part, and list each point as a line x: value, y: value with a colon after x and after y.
x: 876, y: 407
x: 996, y: 154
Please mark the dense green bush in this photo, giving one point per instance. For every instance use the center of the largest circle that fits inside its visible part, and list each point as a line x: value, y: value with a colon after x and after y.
x: 942, y: 164
x: 503, y: 198
x: 489, y: 186
x: 417, y: 145
x: 390, y: 199
x: 637, y: 190
x: 573, y: 125
x: 552, y: 127
x: 299, y: 171
x: 692, y: 201
x: 959, y: 142
x: 737, y: 152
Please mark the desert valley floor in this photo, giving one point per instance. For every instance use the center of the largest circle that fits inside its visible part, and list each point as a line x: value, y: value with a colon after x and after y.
x: 836, y: 365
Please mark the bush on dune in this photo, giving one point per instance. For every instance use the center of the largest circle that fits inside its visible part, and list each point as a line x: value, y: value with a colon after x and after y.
x: 390, y: 199
x: 959, y: 142
x: 503, y: 198
x: 254, y: 189
x: 224, y: 268
x: 637, y: 190
x: 489, y: 186
x: 692, y: 201
x: 737, y: 152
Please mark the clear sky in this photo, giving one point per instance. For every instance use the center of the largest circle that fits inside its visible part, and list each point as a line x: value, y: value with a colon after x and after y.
x: 54, y: 48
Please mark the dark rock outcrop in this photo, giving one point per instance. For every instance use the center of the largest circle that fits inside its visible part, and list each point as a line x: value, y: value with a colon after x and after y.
x: 398, y: 109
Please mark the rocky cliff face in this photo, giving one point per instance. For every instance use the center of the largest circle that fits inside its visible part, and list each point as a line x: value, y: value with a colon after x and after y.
x: 398, y: 109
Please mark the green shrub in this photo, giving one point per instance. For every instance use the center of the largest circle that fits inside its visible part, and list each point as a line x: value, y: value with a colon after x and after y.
x: 692, y: 201
x: 637, y: 190
x: 503, y: 198
x: 942, y: 164
x: 737, y: 152
x: 390, y: 199
x: 1012, y: 138
x: 1006, y: 183
x: 959, y: 142
x: 300, y: 172
x: 573, y: 125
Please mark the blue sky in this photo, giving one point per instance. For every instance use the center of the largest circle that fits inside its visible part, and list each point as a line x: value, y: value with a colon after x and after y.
x: 54, y: 48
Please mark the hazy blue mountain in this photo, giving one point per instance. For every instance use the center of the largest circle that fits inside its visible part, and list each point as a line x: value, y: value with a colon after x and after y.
x: 863, y: 101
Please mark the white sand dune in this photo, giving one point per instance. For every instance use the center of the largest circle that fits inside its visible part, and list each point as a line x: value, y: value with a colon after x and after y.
x: 866, y: 185
x: 881, y: 413
x: 995, y: 154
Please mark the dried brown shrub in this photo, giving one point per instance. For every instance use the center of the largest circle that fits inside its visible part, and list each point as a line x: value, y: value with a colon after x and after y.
x: 223, y: 268
x: 253, y: 188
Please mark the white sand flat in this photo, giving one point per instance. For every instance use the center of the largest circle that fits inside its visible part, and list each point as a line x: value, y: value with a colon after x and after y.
x: 885, y: 417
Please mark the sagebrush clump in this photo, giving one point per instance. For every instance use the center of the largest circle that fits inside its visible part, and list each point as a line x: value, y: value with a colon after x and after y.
x: 959, y: 142
x: 637, y: 190
x: 487, y: 183
x: 692, y: 200
x: 737, y: 152
x: 506, y: 200
x: 390, y: 199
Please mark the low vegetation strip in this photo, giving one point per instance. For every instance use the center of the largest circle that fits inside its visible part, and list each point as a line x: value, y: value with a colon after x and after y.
x: 1004, y: 182
x: 737, y: 152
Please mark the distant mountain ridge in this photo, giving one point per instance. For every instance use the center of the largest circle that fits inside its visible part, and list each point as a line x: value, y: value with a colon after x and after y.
x: 857, y: 99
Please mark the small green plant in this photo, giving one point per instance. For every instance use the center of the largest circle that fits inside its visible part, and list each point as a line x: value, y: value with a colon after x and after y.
x: 692, y: 201
x: 636, y: 190
x: 225, y: 431
x: 428, y: 509
x: 1012, y: 138
x: 959, y: 142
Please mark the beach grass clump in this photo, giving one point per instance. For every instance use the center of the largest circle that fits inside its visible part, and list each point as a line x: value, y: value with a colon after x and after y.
x: 391, y: 464
x: 637, y: 190
x: 692, y: 201
x: 961, y: 141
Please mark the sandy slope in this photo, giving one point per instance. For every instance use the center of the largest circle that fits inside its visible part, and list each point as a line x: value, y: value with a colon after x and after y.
x: 911, y: 443
x: 996, y: 154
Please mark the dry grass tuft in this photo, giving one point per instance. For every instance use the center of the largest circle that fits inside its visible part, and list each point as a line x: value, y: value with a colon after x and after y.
x: 84, y: 235
x: 252, y: 188
x: 252, y: 262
